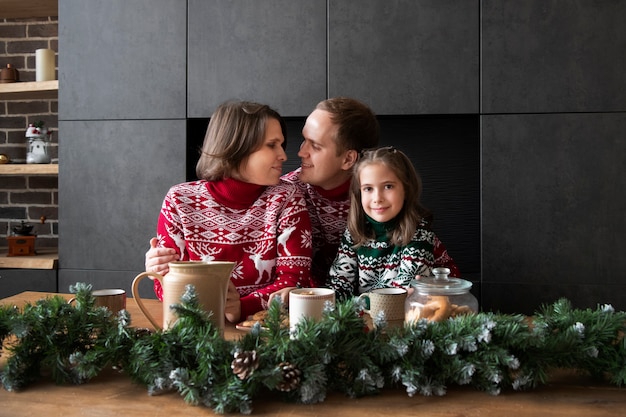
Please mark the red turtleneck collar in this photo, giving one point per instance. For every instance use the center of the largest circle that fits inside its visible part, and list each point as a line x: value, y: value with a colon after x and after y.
x: 234, y: 193
x: 335, y: 194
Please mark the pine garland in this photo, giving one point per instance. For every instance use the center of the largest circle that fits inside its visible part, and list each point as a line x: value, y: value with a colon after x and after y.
x: 488, y: 351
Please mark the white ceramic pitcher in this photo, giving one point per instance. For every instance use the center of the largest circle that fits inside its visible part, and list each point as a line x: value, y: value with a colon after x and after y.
x: 210, y: 280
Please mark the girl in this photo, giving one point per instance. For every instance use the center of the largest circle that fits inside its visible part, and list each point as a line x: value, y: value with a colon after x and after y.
x: 240, y: 210
x: 388, y: 241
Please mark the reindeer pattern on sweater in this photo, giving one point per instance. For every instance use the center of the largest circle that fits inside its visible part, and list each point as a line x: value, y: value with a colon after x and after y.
x: 270, y: 240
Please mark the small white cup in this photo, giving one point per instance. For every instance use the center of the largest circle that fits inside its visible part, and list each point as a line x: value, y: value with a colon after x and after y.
x: 308, y: 302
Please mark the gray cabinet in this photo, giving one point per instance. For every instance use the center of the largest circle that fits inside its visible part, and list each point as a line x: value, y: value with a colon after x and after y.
x: 271, y: 51
x: 122, y: 59
x: 122, y: 114
x: 405, y: 57
x: 111, y: 187
x: 15, y: 281
x: 552, y: 216
x: 551, y: 56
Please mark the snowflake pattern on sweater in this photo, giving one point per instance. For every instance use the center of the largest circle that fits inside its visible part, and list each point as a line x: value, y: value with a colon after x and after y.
x: 270, y: 240
x: 380, y: 264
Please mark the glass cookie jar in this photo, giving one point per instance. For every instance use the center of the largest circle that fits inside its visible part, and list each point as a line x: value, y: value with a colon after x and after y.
x: 439, y: 298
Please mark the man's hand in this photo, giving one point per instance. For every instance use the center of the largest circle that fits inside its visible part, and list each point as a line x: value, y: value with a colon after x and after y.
x: 233, y: 304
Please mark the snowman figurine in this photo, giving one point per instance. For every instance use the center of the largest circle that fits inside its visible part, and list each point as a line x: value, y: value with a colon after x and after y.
x: 38, y: 140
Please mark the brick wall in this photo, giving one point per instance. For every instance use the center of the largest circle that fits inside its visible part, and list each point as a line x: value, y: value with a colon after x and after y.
x: 27, y: 198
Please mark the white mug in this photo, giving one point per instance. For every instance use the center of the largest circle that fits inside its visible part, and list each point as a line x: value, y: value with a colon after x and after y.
x: 308, y: 302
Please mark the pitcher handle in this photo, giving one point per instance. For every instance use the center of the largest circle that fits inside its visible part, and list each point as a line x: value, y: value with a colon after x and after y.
x: 366, y: 296
x: 137, y: 298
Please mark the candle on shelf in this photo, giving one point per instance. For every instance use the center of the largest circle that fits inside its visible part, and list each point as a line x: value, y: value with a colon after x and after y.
x: 44, y: 65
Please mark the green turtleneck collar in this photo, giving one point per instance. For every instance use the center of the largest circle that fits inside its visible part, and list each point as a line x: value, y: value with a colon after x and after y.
x: 381, y: 230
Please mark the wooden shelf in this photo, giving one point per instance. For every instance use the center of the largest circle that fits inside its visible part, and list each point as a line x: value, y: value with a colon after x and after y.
x: 30, y: 90
x: 29, y: 169
x: 46, y: 258
x: 17, y: 9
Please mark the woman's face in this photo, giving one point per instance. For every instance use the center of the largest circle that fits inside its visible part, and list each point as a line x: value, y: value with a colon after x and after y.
x: 265, y: 165
x: 382, y: 193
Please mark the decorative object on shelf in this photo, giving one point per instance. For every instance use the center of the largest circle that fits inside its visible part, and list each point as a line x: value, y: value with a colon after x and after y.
x: 39, y: 139
x: 23, y: 229
x: 22, y: 242
x: 44, y: 65
x: 486, y: 351
x: 9, y: 75
x: 4, y: 159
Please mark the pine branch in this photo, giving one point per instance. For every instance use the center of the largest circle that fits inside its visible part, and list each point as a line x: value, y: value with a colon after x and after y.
x: 487, y: 351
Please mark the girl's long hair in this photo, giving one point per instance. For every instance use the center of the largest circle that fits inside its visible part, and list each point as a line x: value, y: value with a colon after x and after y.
x: 412, y: 214
x: 236, y: 129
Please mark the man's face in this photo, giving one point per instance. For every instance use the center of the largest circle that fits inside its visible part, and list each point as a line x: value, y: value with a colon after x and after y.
x: 321, y: 166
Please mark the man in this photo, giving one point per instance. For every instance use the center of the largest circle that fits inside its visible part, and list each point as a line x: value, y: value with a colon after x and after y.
x: 334, y: 135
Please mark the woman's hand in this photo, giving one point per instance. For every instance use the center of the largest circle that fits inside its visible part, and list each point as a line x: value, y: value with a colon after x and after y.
x: 157, y: 259
x: 232, y: 311
x: 283, y: 294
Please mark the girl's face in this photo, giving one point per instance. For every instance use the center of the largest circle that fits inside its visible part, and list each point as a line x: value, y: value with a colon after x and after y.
x: 265, y: 165
x: 382, y: 193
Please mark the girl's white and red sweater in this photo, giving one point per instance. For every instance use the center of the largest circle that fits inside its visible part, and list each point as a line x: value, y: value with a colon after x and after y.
x: 265, y: 230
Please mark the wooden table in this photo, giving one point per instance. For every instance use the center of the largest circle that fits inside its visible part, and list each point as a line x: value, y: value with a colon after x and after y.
x: 113, y: 394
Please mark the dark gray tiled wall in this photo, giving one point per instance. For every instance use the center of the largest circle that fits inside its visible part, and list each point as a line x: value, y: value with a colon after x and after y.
x: 122, y: 60
x: 270, y: 51
x: 405, y: 57
x: 527, y: 298
x: 15, y: 281
x: 112, y: 187
x: 553, y: 207
x: 553, y: 56
x: 553, y: 153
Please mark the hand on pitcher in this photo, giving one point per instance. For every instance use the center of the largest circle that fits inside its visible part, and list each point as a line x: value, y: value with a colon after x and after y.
x: 157, y: 259
x: 232, y: 311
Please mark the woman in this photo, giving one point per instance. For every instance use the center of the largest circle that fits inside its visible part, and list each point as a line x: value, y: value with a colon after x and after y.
x: 240, y: 210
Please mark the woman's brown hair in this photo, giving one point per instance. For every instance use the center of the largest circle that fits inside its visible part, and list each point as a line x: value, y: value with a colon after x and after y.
x: 412, y: 213
x: 236, y: 129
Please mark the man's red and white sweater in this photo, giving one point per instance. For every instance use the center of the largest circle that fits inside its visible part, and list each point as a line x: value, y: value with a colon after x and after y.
x: 265, y: 230
x: 328, y: 210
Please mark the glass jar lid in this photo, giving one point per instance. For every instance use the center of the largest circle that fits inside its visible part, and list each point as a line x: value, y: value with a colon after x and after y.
x: 441, y: 283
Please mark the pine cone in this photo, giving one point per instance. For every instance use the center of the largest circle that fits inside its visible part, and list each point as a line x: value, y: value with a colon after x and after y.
x: 343, y: 371
x: 244, y: 363
x: 291, y: 376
